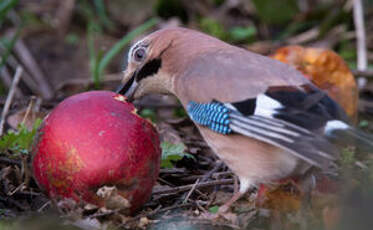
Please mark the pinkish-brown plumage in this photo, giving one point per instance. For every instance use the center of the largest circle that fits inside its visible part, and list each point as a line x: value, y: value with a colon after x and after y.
x: 197, y: 67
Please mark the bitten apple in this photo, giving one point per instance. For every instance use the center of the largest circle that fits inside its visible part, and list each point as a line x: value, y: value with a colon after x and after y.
x: 92, y: 140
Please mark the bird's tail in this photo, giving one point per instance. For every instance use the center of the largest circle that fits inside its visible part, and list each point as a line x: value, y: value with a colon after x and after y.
x: 341, y: 133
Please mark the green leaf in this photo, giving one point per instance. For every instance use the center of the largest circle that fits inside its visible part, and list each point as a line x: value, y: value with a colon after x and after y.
x: 275, y: 11
x: 101, y: 11
x: 348, y: 156
x: 19, y: 142
x: 148, y: 114
x: 171, y: 8
x: 239, y: 34
x: 5, y: 6
x: 214, y: 209
x: 213, y: 27
x: 180, y: 112
x: 171, y: 153
x: 363, y: 124
x: 72, y: 39
x: 7, y: 140
x: 99, y: 60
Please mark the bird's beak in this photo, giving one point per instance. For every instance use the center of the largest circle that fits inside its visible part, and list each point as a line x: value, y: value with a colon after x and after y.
x: 128, y: 86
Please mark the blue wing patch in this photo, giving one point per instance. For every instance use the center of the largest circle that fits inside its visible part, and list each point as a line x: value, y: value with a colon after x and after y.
x: 213, y: 115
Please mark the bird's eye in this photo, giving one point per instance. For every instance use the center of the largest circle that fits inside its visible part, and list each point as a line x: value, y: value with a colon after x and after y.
x: 139, y: 54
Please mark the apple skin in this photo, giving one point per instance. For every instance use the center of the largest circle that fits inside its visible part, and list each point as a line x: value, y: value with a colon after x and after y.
x: 96, y: 139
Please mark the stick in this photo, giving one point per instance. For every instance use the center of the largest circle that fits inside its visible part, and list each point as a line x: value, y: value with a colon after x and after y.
x: 28, y: 60
x: 7, y: 80
x: 13, y: 63
x: 9, y: 98
x: 191, y: 191
x: 304, y: 37
x: 364, y: 73
x: 360, y: 35
x: 190, y: 186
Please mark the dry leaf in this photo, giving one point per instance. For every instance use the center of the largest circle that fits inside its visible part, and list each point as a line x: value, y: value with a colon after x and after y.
x: 112, y: 199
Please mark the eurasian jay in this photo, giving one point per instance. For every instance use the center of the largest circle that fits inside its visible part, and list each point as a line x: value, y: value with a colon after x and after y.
x: 263, y: 118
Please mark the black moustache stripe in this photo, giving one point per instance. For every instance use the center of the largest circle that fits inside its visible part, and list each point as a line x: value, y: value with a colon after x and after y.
x: 149, y: 69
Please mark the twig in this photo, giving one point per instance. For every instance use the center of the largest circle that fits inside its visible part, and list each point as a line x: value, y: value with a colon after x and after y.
x: 215, y: 175
x: 10, y: 161
x: 214, y: 170
x: 155, y: 212
x: 9, y: 98
x: 18, y: 188
x: 360, y: 35
x: 27, y: 59
x: 188, y: 187
x: 173, y: 170
x: 44, y: 206
x: 28, y: 110
x: 7, y: 80
x: 304, y: 37
x: 165, y: 182
x: 63, y: 15
x: 14, y: 202
x: 191, y: 191
x: 29, y: 81
x: 29, y: 193
x: 362, y: 73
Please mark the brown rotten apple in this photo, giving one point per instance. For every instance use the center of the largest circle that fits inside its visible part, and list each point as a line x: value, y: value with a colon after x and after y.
x: 93, y: 140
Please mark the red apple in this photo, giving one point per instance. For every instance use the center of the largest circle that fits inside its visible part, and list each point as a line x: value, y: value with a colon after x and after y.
x: 96, y: 139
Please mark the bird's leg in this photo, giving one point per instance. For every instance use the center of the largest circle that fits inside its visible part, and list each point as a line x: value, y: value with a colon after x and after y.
x: 244, y: 186
x: 228, y: 204
x: 235, y: 185
x: 260, y: 194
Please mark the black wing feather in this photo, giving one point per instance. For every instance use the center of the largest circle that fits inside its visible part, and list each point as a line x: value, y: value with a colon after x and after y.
x: 306, y: 145
x: 295, y: 126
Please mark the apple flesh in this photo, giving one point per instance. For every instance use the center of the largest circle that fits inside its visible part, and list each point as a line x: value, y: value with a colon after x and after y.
x: 92, y: 140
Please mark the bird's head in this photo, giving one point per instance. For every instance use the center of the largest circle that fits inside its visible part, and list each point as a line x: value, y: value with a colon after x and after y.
x: 156, y: 60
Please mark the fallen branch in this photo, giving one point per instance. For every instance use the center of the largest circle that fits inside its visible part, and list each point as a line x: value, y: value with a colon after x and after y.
x: 10, y: 96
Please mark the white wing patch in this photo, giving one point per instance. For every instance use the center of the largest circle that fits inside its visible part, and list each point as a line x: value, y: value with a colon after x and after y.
x: 335, y: 125
x: 266, y: 106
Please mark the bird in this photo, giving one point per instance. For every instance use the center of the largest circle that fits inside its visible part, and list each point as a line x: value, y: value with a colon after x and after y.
x: 261, y: 117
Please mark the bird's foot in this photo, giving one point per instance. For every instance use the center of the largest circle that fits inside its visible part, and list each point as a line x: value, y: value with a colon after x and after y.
x: 223, y: 212
x: 223, y: 209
